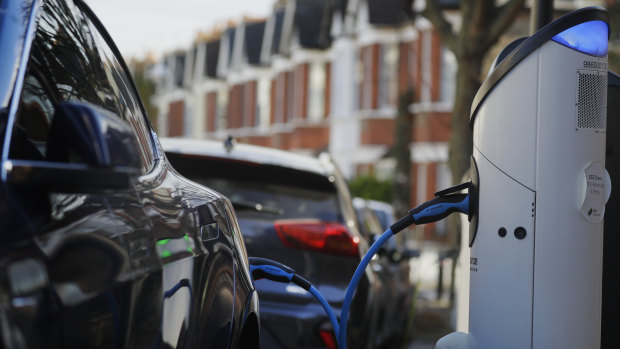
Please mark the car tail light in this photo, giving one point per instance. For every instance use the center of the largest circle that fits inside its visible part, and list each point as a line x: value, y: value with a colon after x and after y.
x: 316, y: 235
x: 328, y: 338
x: 326, y: 332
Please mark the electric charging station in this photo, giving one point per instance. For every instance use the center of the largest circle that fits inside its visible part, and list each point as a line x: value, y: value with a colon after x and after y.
x: 536, y: 200
x: 536, y: 237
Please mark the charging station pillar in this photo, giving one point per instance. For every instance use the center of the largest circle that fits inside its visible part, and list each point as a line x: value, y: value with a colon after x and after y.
x: 536, y: 239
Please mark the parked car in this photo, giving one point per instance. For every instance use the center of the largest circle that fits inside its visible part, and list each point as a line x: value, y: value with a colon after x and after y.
x: 102, y: 243
x: 391, y: 267
x: 297, y: 210
x: 383, y: 211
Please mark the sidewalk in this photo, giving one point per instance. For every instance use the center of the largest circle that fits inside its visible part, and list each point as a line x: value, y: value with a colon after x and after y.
x: 431, y: 322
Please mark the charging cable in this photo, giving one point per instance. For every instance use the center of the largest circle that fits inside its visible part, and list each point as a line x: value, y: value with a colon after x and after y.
x: 446, y: 202
x: 274, y: 271
x: 433, y: 210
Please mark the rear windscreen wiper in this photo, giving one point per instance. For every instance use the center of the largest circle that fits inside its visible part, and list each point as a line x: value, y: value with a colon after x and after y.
x: 256, y: 206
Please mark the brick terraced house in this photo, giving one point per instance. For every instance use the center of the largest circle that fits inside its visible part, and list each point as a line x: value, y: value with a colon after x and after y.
x: 323, y: 75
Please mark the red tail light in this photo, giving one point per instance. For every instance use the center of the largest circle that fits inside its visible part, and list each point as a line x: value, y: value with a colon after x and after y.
x: 328, y: 338
x: 309, y: 234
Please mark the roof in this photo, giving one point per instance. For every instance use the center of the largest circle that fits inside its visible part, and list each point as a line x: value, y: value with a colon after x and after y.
x: 313, y: 22
x: 249, y: 153
x: 389, y: 12
x: 340, y: 6
x: 254, y: 33
x: 277, y: 30
x: 179, y: 68
x: 213, y: 51
x: 230, y: 36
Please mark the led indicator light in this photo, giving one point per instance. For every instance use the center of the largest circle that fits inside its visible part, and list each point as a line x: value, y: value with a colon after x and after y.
x: 589, y: 37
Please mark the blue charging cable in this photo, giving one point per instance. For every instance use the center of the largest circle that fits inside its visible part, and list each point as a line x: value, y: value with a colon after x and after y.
x: 430, y: 211
x: 272, y: 270
x: 433, y: 210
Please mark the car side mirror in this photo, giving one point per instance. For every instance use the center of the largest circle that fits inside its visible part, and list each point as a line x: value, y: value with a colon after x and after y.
x: 88, y: 149
x: 82, y: 133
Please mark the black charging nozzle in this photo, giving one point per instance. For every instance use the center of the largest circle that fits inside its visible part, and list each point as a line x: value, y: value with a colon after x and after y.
x: 446, y: 201
x: 274, y: 271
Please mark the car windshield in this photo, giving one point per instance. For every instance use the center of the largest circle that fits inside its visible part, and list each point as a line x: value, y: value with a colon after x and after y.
x: 264, y: 191
x: 254, y: 199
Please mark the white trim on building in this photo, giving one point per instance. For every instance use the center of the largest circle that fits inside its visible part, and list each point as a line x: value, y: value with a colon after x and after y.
x: 424, y: 152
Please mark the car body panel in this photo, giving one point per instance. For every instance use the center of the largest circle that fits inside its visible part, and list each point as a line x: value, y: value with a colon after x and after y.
x: 157, y: 263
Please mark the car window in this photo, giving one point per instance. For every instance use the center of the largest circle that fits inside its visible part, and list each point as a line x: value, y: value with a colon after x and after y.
x: 128, y: 97
x: 279, y: 192
x: 68, y: 64
x: 273, y: 201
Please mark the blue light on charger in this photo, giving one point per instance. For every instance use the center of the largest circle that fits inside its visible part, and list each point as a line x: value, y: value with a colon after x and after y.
x: 589, y: 37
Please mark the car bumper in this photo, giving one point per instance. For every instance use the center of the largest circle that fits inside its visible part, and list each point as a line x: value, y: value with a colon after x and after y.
x: 291, y: 326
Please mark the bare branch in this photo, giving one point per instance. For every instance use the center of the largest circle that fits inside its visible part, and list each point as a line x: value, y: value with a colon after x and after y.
x: 505, y: 17
x: 433, y: 13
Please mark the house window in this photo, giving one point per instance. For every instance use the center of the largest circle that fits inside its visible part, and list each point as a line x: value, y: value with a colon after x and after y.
x: 366, y: 77
x: 427, y: 61
x: 280, y: 98
x: 449, y: 66
x: 179, y: 69
x: 316, y: 98
x: 222, y: 108
x: 263, y: 110
x: 388, y: 78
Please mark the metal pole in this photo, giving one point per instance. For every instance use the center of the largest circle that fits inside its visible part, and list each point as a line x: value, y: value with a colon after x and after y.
x: 541, y: 14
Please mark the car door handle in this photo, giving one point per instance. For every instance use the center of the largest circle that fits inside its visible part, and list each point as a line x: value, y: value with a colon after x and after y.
x: 209, y: 232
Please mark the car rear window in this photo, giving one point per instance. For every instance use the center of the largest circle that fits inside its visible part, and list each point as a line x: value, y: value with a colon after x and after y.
x: 265, y: 191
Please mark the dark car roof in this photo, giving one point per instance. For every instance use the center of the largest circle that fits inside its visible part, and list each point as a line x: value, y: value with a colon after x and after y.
x: 250, y: 153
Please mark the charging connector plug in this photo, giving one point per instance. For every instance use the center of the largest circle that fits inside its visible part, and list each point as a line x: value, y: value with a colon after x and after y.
x: 445, y: 202
x: 274, y: 271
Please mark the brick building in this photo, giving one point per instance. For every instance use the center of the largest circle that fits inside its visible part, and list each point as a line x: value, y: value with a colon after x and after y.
x: 321, y: 75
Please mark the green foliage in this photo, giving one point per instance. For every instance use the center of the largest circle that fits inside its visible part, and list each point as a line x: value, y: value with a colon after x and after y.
x: 370, y: 187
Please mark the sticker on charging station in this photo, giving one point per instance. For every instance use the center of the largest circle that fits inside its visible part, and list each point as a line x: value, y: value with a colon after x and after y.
x: 596, y: 191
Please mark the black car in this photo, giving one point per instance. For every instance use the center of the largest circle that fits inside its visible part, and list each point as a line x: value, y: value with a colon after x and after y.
x: 297, y: 210
x: 102, y: 243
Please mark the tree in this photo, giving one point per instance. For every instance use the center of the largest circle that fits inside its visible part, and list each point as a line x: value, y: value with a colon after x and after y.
x: 482, y: 24
x: 370, y: 187
x: 614, y: 50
